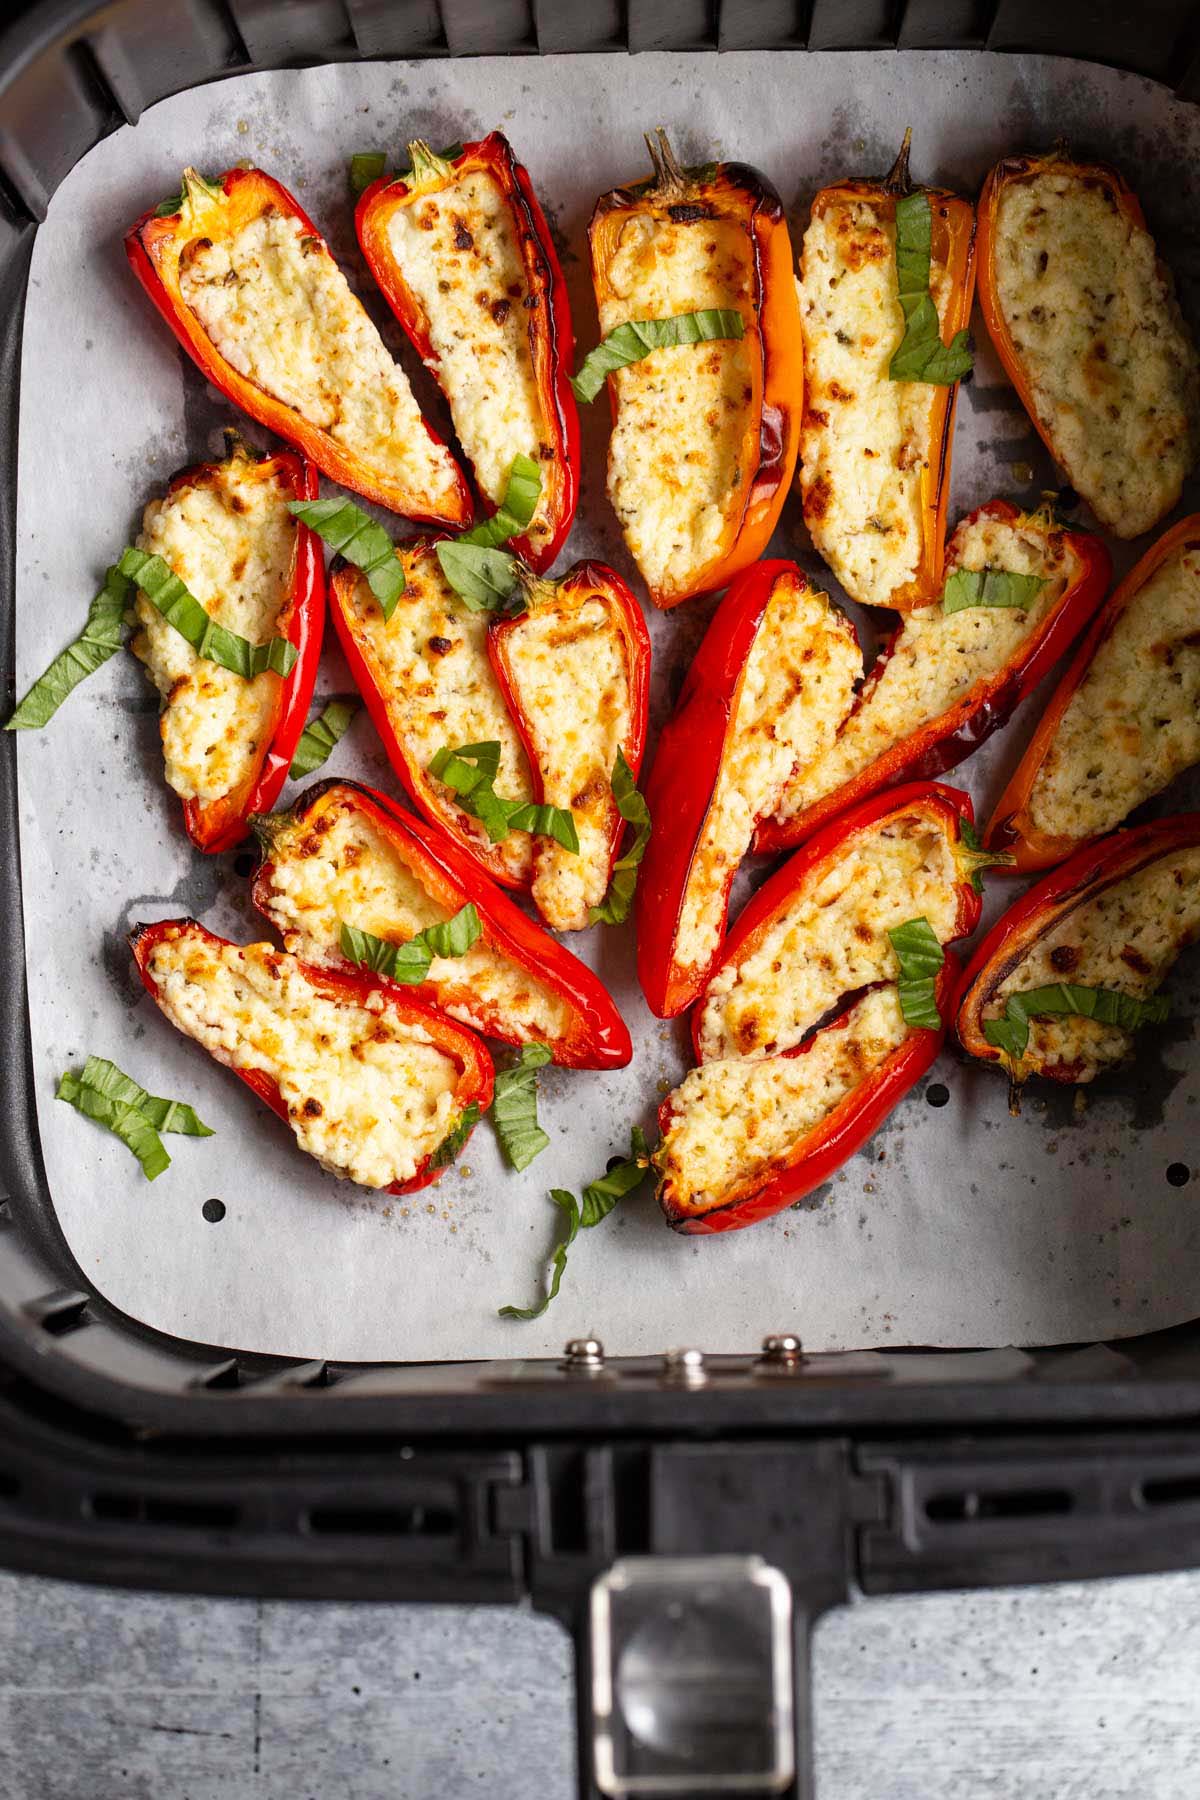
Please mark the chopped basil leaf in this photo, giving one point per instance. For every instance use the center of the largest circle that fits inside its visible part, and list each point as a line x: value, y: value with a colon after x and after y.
x: 366, y: 166
x: 630, y: 342
x: 456, y: 1137
x: 318, y: 739
x: 99, y: 639
x: 614, y: 909
x: 409, y: 962
x: 568, y: 1205
x: 105, y: 1078
x: 164, y: 590
x: 486, y: 580
x: 350, y: 533
x: 599, y: 1198
x: 921, y: 957
x: 514, y: 1108
x: 515, y: 511
x: 469, y: 772
x: 125, y: 1122
x: 1111, y: 1007
x: 921, y: 354
x: 989, y: 587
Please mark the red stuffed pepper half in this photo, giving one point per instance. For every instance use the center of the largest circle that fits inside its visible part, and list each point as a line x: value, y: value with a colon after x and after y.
x: 246, y: 282
x: 1018, y: 589
x: 429, y: 685
x: 464, y: 256
x: 770, y: 684
x: 380, y: 1089
x: 1065, y: 978
x: 1124, y: 720
x: 854, y: 926
x: 225, y: 530
x: 345, y: 855
x: 574, y: 668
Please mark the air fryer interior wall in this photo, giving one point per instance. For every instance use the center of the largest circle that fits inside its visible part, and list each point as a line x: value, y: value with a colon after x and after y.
x: 32, y: 1253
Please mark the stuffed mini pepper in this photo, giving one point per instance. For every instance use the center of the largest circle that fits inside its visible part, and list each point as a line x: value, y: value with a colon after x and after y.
x: 886, y: 277
x: 1124, y: 720
x: 224, y: 530
x: 1018, y: 588
x: 247, y: 284
x: 574, y: 667
x: 1065, y: 978
x: 348, y: 870
x: 697, y: 302
x: 1084, y: 318
x: 429, y: 686
x: 854, y: 926
x: 770, y: 684
x: 379, y: 1089
x: 463, y: 254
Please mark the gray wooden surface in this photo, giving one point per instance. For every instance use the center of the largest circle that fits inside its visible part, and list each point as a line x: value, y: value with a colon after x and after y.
x: 1084, y: 1692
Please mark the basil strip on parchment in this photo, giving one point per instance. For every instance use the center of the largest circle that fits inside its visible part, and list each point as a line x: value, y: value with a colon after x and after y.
x: 470, y: 770
x: 409, y: 962
x: 321, y: 736
x: 599, y: 1198
x: 1108, y: 1005
x: 614, y: 908
x: 514, y: 1107
x: 165, y: 591
x: 103, y: 1092
x: 164, y: 1115
x: 515, y: 512
x: 630, y: 342
x: 920, y: 957
x: 989, y: 587
x: 921, y: 354
x: 349, y: 532
x: 456, y: 1137
x: 99, y: 640
x: 366, y: 166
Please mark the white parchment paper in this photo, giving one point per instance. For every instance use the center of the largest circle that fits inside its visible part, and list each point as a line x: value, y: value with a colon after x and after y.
x: 958, y: 1225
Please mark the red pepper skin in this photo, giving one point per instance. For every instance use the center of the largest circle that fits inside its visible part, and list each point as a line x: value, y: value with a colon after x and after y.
x: 221, y: 824
x: 551, y: 339
x: 412, y: 775
x: 682, y: 780
x: 1011, y: 826
x: 155, y: 248
x: 581, y: 582
x: 772, y: 330
x: 942, y: 743
x: 946, y: 807
x: 350, y: 988
x: 597, y: 1036
x: 819, y: 1155
x: 1093, y: 867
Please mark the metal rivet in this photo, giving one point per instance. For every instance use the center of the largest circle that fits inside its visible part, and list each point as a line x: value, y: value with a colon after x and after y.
x: 583, y: 1353
x: 686, y: 1366
x: 782, y: 1349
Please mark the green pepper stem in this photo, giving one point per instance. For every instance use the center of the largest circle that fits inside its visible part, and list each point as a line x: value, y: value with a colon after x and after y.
x: 427, y: 166
x: 898, y: 179
x: 669, y: 175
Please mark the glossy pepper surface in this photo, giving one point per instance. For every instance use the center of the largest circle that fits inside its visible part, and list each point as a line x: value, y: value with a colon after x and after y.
x: 350, y: 988
x: 565, y: 626
x: 925, y: 454
x: 940, y: 743
x: 819, y: 1153
x: 695, y: 747
x: 593, y: 1034
x: 944, y: 811
x: 215, y: 825
x: 216, y: 213
x: 1061, y: 893
x: 533, y: 321
x: 1013, y: 825
x: 695, y: 200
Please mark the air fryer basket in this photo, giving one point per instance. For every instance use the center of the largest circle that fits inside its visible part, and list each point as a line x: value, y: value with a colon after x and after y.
x: 126, y: 1456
